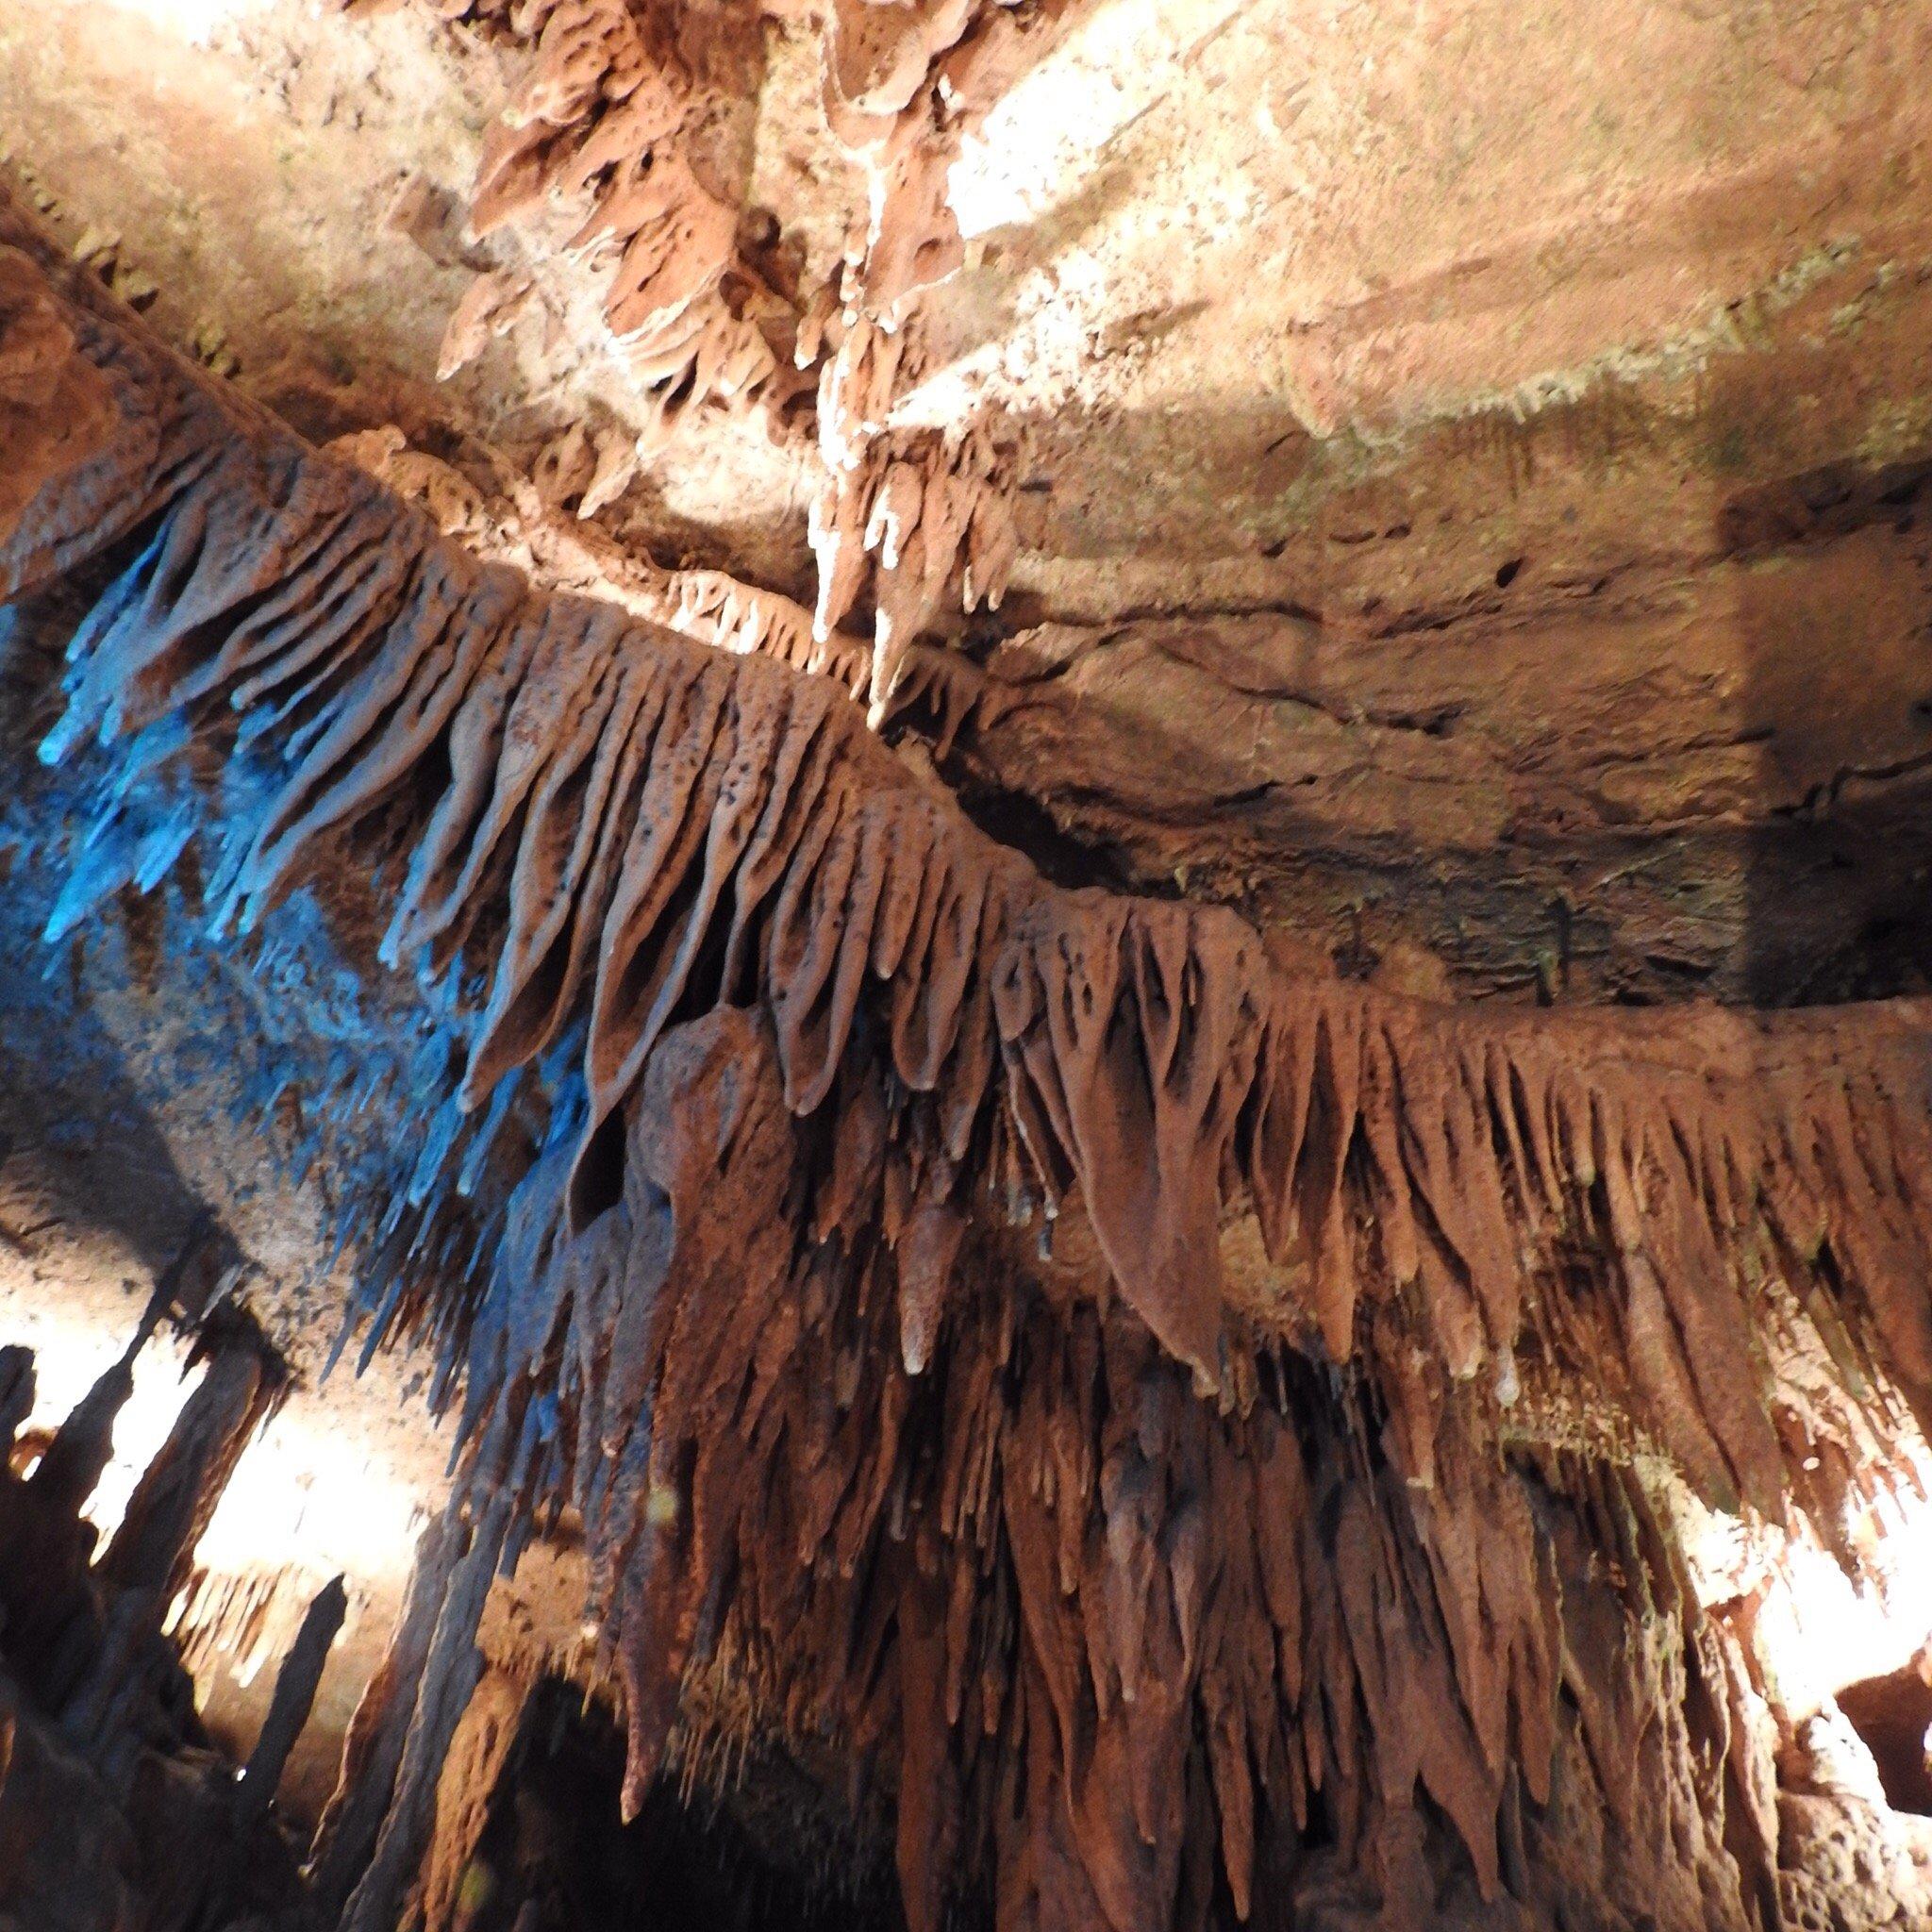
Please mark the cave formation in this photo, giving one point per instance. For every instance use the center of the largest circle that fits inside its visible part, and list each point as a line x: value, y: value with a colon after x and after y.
x: 898, y: 1034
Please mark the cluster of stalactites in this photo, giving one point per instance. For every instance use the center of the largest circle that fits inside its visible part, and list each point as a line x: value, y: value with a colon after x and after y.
x: 918, y: 518
x: 1126, y: 1649
x: 612, y: 826
x: 590, y: 831
x: 914, y: 516
x: 604, y: 123
x: 907, y: 519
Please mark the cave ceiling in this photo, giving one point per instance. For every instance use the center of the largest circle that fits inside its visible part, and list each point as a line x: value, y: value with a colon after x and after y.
x: 1060, y: 870
x: 1428, y: 432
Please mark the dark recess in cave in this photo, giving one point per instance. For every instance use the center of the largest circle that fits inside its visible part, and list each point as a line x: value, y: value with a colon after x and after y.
x: 553, y: 1856
x: 1893, y: 1715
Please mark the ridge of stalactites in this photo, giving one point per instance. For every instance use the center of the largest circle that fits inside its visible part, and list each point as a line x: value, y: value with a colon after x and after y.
x: 596, y: 830
x: 616, y: 827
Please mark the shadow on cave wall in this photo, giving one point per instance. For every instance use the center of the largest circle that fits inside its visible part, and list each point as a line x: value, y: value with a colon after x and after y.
x: 1777, y: 853
x: 1835, y: 623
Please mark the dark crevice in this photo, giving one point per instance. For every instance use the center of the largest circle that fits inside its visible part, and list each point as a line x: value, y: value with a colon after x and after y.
x: 555, y: 1857
x: 1893, y: 1714
x: 1020, y: 823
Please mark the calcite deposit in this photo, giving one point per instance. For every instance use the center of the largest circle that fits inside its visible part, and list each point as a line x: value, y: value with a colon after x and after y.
x: 1000, y: 1314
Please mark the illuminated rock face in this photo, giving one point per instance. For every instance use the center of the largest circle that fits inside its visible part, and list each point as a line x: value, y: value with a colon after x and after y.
x: 1117, y: 1411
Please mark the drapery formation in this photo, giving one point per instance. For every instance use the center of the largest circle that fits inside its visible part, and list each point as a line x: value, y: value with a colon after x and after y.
x: 856, y: 1207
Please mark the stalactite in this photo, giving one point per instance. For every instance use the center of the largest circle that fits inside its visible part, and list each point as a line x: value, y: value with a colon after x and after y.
x: 73, y: 1461
x: 16, y: 1393
x: 918, y: 517
x: 346, y: 1834
x: 296, y: 1683
x: 176, y: 1496
x: 1145, y: 1593
x: 467, y: 1788
x: 451, y: 1674
x: 907, y: 518
x: 608, y: 121
x: 451, y: 1670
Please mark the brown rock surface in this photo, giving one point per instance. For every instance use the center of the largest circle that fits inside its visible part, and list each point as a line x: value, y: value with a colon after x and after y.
x: 1154, y: 1429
